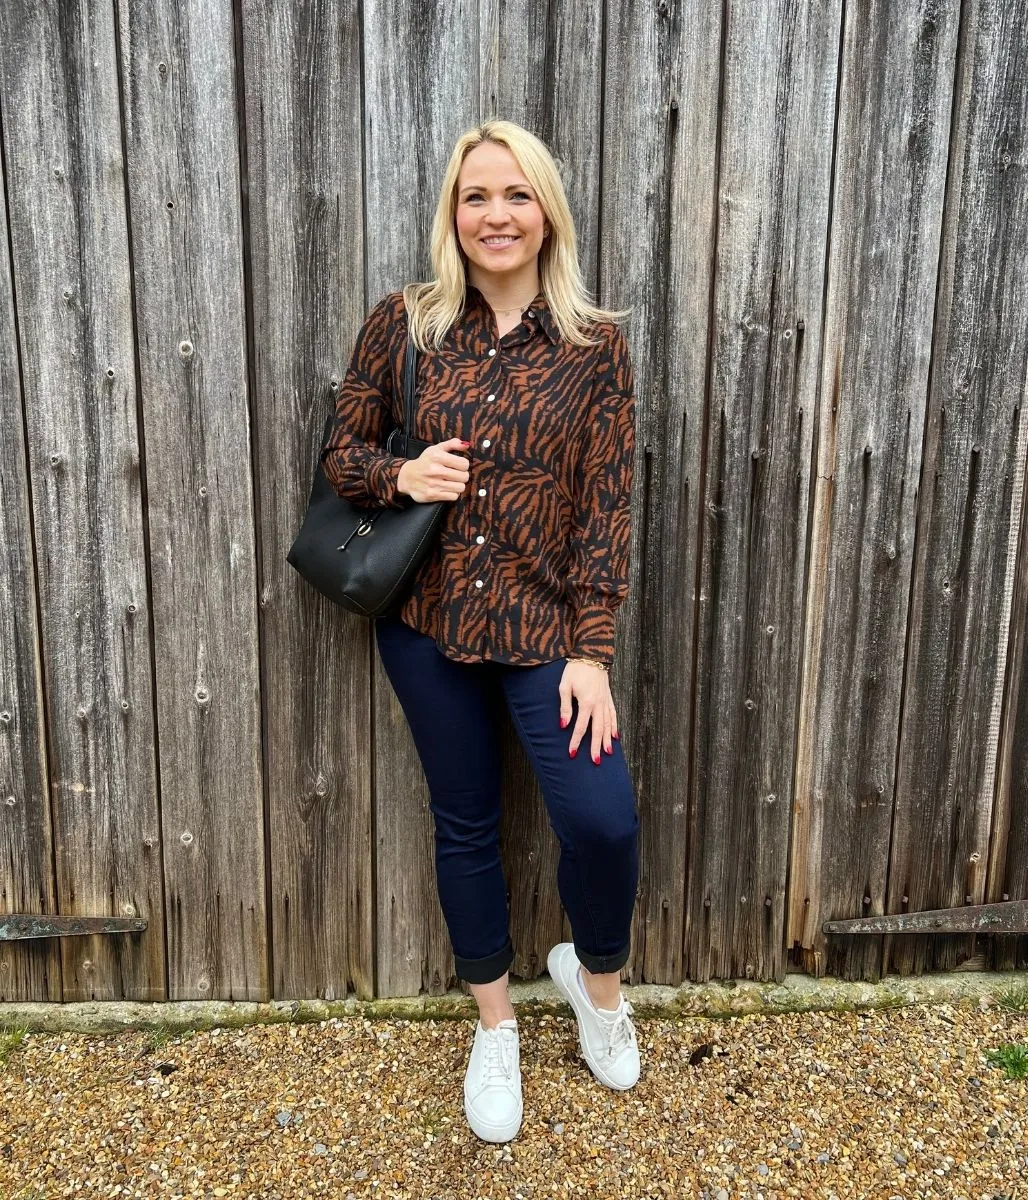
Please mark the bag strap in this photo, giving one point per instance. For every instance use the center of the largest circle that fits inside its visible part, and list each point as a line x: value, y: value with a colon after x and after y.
x: 410, y: 368
x: 410, y: 371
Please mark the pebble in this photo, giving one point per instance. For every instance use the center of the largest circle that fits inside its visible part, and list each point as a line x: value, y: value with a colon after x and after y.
x: 859, y: 1106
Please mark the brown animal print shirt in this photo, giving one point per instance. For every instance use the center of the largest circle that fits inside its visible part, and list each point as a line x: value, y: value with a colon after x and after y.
x: 533, y: 558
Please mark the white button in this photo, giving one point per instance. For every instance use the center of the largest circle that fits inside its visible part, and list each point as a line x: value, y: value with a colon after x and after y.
x: 478, y: 583
x: 492, y: 397
x: 492, y: 352
x: 486, y: 444
x: 480, y: 539
x: 531, y: 312
x: 481, y: 491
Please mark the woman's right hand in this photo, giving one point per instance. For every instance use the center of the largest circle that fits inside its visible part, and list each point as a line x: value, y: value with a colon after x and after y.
x: 438, y: 473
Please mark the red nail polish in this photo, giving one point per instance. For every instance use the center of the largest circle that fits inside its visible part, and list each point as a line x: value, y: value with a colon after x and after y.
x: 616, y: 735
x: 596, y: 760
x: 563, y: 722
x: 572, y: 753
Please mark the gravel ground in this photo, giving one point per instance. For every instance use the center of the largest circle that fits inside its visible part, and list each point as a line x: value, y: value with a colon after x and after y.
x: 905, y: 1103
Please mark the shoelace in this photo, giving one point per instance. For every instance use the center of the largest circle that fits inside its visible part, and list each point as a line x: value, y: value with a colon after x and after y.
x: 620, y: 1030
x: 499, y: 1055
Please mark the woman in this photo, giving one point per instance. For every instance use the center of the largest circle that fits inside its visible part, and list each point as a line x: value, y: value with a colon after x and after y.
x: 526, y: 391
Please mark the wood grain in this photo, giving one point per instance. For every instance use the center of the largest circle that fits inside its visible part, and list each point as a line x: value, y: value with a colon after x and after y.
x: 774, y: 171
x: 895, y: 100
x: 27, y: 880
x: 306, y: 259
x: 72, y: 283
x: 968, y: 508
x: 181, y: 139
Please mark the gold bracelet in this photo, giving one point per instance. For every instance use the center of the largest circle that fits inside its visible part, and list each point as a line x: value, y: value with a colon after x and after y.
x: 595, y: 662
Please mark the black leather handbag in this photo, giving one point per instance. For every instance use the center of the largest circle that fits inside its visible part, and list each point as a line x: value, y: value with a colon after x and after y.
x: 366, y: 559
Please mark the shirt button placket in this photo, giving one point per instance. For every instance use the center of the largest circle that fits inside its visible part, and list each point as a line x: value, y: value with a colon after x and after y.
x: 476, y: 563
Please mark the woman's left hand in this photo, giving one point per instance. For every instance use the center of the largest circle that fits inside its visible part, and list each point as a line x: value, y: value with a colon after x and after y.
x: 590, y: 686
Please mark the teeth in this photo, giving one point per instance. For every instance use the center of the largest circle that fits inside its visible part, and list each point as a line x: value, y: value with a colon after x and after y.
x: 498, y: 241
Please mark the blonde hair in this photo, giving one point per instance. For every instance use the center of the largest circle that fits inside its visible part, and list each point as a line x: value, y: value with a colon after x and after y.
x: 433, y: 307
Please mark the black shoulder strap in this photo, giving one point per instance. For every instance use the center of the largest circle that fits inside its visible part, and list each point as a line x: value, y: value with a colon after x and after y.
x: 410, y: 370
x: 410, y: 374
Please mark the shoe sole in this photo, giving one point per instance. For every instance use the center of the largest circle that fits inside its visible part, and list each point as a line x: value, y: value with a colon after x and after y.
x: 577, y: 1006
x: 494, y: 1133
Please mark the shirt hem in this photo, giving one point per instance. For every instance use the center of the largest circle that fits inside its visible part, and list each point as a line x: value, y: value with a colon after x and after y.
x: 508, y: 662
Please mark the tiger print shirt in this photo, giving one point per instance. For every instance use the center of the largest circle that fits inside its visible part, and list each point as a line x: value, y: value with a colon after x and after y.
x: 532, y: 561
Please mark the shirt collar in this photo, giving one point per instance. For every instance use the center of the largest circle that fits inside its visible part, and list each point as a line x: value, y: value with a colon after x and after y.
x: 539, y: 306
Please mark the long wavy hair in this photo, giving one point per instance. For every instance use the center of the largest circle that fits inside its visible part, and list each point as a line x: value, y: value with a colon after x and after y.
x: 434, y: 306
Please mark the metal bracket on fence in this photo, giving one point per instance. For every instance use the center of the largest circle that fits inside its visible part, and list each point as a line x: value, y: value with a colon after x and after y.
x: 14, y: 926
x: 1010, y: 916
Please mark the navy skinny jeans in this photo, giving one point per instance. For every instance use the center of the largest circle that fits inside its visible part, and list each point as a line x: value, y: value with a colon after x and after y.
x: 452, y: 710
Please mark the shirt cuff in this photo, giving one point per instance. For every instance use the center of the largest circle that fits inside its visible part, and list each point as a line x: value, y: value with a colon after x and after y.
x: 382, y: 482
x: 592, y: 633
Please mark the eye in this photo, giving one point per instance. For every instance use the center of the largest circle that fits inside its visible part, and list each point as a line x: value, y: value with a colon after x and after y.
x: 478, y: 196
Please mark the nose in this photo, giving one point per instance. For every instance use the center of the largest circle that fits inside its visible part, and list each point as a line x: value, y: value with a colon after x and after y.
x: 497, y: 214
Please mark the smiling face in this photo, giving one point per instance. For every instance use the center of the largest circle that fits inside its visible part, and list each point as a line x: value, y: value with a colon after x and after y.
x: 500, y: 223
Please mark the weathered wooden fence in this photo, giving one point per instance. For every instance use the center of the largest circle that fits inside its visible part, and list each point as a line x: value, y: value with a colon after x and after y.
x: 819, y: 216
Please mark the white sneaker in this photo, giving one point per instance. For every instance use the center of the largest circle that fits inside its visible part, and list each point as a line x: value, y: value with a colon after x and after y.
x: 607, y: 1039
x: 492, y: 1084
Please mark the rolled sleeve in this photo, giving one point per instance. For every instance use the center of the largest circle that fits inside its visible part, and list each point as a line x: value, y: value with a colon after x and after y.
x: 354, y: 458
x: 601, y: 533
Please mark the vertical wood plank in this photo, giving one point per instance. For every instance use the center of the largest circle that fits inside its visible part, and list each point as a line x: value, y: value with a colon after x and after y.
x: 889, y: 181
x: 1008, y: 845
x: 659, y: 181
x: 71, y: 276
x: 183, y: 168
x: 29, y: 970
x: 967, y: 507
x: 775, y: 153
x: 306, y: 250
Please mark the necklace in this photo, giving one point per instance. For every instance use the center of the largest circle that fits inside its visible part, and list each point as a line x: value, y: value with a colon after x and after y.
x: 504, y: 312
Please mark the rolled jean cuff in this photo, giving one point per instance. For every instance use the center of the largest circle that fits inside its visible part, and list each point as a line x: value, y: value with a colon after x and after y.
x: 484, y: 970
x: 603, y: 964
